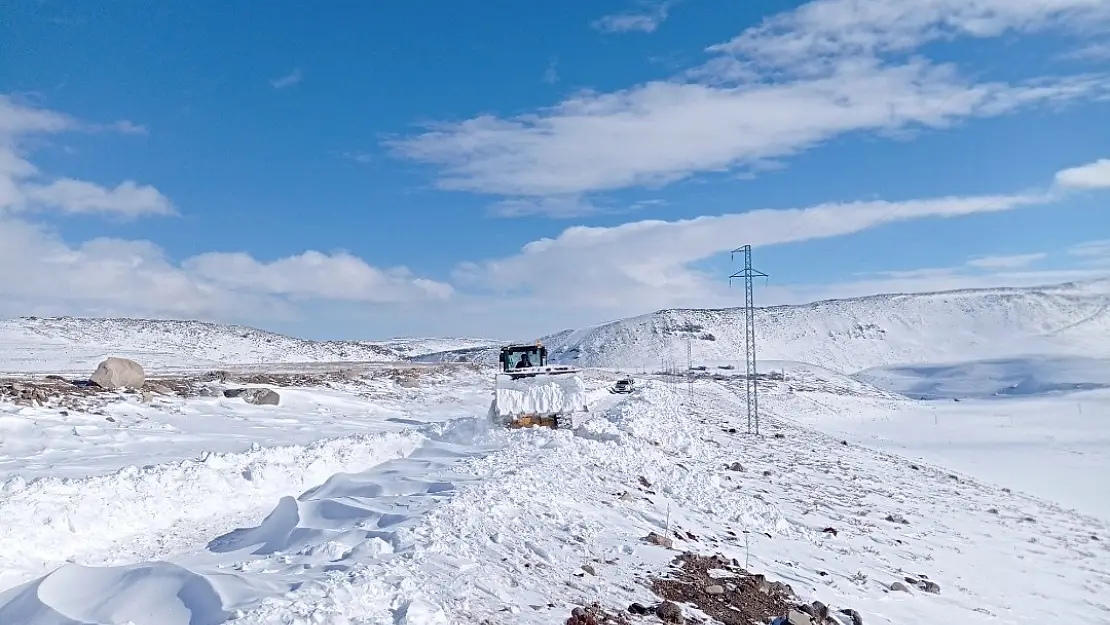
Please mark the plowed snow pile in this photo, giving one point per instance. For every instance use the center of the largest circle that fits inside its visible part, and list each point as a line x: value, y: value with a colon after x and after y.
x: 542, y: 395
x: 458, y: 522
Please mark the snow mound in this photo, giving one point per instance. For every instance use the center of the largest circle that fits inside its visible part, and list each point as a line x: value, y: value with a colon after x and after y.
x: 543, y: 395
x: 136, y: 509
x: 151, y: 592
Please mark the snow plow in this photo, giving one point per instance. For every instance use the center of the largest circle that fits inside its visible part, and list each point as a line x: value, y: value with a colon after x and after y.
x: 530, y: 392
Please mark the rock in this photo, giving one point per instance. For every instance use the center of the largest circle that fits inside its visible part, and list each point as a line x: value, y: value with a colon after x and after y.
x: 715, y: 589
x: 669, y: 612
x: 637, y: 609
x: 897, y: 518
x: 797, y: 617
x: 662, y: 541
x: 256, y: 396
x: 589, y: 569
x: 18, y: 388
x: 779, y: 589
x: 899, y: 587
x: 780, y: 435
x: 148, y: 397
x: 820, y: 611
x: 856, y: 618
x: 736, y: 466
x: 115, y: 373
x: 929, y: 586
x: 627, y: 496
x: 261, y: 397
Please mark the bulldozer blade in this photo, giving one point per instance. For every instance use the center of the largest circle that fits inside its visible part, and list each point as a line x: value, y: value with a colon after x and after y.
x: 527, y: 421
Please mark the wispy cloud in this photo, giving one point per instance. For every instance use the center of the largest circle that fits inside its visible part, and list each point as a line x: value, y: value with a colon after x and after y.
x: 1090, y: 52
x: 1013, y: 261
x: 650, y: 264
x: 1092, y: 252
x: 793, y: 82
x: 662, y: 132
x: 288, y: 80
x: 551, y: 73
x: 645, y: 20
x: 357, y: 156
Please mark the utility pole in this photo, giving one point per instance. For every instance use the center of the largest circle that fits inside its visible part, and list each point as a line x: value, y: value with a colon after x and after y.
x: 750, y: 387
x: 689, y: 371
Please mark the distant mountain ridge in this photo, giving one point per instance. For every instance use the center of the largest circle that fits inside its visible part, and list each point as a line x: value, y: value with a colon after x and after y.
x: 848, y: 335
x: 844, y: 335
x: 54, y: 343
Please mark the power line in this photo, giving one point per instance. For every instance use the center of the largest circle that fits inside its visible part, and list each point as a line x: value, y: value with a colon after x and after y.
x: 751, y: 389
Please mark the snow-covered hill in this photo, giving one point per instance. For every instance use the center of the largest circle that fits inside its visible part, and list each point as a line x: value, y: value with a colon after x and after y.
x: 852, y: 334
x: 65, y: 343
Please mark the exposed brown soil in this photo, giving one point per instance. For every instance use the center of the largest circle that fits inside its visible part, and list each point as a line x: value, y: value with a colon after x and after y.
x: 740, y: 599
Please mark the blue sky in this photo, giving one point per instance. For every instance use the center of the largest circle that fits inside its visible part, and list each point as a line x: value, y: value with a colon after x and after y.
x: 367, y: 170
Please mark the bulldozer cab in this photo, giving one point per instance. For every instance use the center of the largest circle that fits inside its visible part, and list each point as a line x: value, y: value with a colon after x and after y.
x: 520, y: 356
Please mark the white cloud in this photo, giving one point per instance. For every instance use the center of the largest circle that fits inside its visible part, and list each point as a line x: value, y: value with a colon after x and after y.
x: 646, y: 20
x: 1094, y: 175
x: 23, y: 187
x: 127, y: 199
x: 1006, y: 262
x: 314, y: 275
x: 18, y: 119
x: 41, y: 272
x: 288, y: 80
x: 787, y: 85
x: 663, y: 132
x: 807, y: 37
x: 21, y: 191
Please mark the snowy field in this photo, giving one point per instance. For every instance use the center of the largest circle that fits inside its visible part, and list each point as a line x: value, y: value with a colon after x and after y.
x: 373, y: 501
x: 378, y: 491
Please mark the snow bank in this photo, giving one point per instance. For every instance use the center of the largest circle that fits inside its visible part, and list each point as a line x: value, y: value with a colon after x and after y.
x: 138, y: 511
x: 542, y: 395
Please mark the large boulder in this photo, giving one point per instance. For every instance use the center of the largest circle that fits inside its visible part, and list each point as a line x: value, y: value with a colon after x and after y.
x: 116, y: 373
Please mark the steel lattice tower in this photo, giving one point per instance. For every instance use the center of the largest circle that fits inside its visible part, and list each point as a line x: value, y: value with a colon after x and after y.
x: 750, y: 387
x: 689, y: 371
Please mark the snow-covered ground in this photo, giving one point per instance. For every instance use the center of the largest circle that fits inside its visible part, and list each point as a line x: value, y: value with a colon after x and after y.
x: 959, y: 436
x: 407, y: 507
